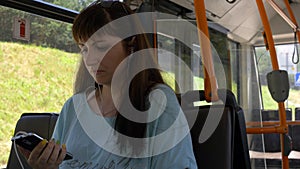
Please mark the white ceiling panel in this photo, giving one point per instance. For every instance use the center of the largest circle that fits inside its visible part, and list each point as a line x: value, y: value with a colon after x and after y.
x: 219, y: 8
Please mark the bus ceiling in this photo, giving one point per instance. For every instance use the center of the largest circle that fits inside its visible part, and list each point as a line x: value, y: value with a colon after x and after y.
x: 241, y: 19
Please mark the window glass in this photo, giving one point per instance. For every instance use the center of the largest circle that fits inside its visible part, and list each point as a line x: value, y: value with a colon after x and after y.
x: 38, y: 58
x: 287, y: 57
x: 187, y: 57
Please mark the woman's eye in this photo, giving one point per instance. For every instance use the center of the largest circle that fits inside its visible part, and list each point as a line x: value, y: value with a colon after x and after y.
x: 101, y: 46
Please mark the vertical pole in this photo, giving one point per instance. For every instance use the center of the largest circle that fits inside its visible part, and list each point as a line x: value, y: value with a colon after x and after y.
x: 210, y: 83
x: 270, y: 41
x: 268, y: 32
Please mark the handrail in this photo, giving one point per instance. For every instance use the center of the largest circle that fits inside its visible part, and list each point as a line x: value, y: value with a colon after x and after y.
x: 282, y: 14
x: 270, y: 123
x: 297, y: 30
x: 210, y: 83
x: 290, y: 20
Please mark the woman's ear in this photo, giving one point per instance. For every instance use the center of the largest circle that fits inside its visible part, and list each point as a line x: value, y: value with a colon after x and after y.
x: 131, y: 45
x: 132, y: 42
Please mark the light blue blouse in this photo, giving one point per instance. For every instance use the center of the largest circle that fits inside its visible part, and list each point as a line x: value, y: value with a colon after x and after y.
x: 91, y: 138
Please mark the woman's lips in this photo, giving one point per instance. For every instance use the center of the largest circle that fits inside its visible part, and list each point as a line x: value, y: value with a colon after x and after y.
x: 100, y: 71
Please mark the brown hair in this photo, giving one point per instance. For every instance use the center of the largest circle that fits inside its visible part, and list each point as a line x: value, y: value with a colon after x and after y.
x: 85, y: 25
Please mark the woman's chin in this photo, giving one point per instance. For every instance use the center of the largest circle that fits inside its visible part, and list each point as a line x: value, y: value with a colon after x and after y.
x: 102, y: 82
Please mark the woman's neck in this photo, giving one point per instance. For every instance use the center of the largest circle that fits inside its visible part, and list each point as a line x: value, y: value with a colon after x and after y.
x: 105, y: 101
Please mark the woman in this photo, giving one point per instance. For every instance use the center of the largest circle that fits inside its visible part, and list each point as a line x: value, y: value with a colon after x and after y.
x: 147, y: 136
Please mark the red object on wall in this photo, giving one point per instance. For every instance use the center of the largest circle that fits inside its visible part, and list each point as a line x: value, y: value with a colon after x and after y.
x: 22, y: 28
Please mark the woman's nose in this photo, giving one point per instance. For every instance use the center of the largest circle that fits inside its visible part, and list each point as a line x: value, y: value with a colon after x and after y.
x: 93, y: 58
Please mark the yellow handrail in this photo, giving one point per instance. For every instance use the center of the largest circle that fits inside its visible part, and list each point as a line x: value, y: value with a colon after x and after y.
x: 210, y: 83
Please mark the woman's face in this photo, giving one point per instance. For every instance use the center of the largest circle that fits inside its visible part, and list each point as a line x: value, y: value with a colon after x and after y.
x: 101, y: 56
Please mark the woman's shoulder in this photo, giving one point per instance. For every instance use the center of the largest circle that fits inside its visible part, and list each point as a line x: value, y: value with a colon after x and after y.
x: 162, y: 95
x: 69, y: 103
x: 165, y: 88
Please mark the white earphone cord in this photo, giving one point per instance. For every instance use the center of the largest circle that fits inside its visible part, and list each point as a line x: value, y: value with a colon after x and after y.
x: 15, y: 147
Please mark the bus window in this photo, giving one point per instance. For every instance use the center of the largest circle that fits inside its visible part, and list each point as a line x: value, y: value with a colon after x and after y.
x: 179, y: 51
x: 285, y: 55
x: 233, y: 49
x: 268, y: 115
x: 37, y: 73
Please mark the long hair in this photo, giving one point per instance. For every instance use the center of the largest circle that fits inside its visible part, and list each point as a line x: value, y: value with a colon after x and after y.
x: 85, y: 25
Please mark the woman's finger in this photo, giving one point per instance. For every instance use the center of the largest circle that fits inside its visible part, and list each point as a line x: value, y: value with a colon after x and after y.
x: 62, y: 154
x: 36, y: 152
x: 55, y: 154
x: 23, y: 151
x: 46, y: 152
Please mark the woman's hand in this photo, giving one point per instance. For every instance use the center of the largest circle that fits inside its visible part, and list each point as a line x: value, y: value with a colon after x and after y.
x: 46, y: 155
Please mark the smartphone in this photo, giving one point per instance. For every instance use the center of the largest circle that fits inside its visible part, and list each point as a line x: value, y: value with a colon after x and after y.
x: 30, y: 140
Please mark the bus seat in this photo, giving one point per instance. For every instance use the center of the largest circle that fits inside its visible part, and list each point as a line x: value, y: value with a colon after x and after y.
x: 41, y: 123
x: 295, y: 137
x: 296, y: 131
x: 271, y: 141
x: 227, y: 147
x: 273, y: 115
x: 297, y: 113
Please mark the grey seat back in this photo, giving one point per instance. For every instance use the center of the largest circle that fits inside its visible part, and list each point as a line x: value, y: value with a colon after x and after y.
x: 296, y: 131
x: 40, y: 123
x: 272, y: 140
x: 227, y: 147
